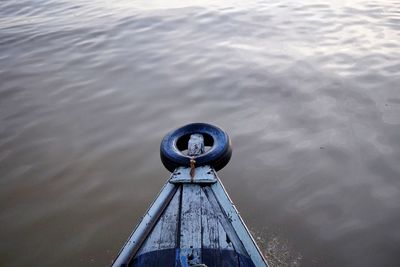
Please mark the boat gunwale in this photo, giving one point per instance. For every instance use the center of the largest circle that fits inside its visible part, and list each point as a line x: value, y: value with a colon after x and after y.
x: 162, y: 201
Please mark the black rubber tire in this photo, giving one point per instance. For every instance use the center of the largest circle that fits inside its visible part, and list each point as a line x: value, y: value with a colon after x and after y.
x: 176, y: 141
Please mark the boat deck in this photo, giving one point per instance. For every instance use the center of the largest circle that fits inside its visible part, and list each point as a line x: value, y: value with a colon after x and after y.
x: 191, y: 223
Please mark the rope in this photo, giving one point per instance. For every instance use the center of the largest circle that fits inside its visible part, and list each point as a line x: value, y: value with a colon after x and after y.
x: 192, y: 168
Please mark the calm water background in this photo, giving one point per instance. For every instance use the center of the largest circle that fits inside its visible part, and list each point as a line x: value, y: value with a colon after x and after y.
x: 309, y: 92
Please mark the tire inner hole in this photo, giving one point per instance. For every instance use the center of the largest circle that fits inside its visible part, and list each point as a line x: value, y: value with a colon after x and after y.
x: 182, y: 143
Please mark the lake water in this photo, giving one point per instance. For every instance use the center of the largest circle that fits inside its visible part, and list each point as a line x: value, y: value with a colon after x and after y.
x: 308, y: 91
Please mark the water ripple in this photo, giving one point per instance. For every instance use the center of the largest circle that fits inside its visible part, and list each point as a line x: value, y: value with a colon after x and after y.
x: 308, y: 92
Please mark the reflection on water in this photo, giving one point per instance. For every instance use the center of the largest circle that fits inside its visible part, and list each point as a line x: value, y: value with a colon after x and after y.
x: 309, y: 93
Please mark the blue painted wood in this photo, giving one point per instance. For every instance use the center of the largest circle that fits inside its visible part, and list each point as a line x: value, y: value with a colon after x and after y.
x: 196, y: 145
x: 237, y: 223
x: 147, y: 223
x: 202, y: 175
x: 191, y: 223
x: 215, y: 240
x: 225, y: 222
x: 164, y: 233
x: 167, y: 258
x: 190, y: 231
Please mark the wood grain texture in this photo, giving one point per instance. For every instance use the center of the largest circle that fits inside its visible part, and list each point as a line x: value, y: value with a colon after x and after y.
x: 216, y: 246
x: 237, y: 224
x: 203, y: 175
x: 192, y: 223
x: 225, y: 222
x: 163, y: 235
x: 138, y: 236
x: 190, y: 238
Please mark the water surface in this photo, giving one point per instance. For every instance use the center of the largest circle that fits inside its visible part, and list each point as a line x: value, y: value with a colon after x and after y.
x: 309, y: 92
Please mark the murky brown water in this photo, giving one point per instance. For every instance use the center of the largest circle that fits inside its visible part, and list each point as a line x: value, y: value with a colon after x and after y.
x: 309, y: 92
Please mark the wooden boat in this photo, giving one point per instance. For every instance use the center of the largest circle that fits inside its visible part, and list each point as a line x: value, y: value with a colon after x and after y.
x: 192, y: 222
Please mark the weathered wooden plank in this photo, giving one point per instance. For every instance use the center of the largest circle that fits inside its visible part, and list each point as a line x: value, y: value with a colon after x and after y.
x: 196, y: 145
x: 152, y: 241
x: 225, y: 221
x: 147, y: 223
x: 210, y: 234
x: 169, y: 227
x: 190, y: 238
x: 223, y: 238
x: 237, y: 223
x: 214, y: 235
x: 163, y: 235
x: 209, y: 224
x: 217, y: 249
x: 202, y: 175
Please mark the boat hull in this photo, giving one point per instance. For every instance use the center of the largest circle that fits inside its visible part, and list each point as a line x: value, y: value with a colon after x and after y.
x: 192, y: 222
